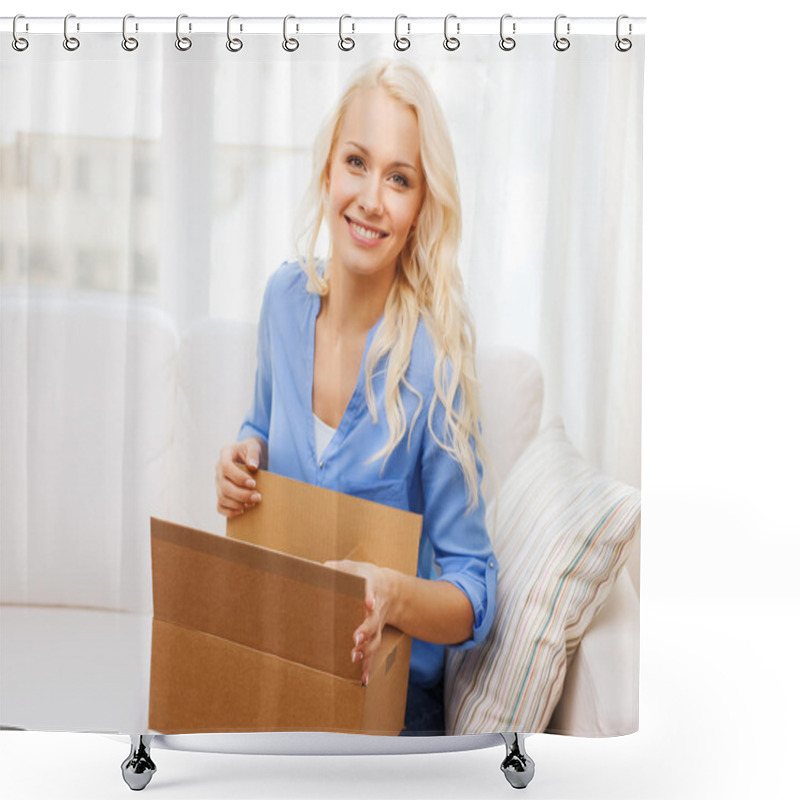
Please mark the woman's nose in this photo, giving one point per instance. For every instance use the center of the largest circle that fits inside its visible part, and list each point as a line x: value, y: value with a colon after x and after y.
x: 370, y: 199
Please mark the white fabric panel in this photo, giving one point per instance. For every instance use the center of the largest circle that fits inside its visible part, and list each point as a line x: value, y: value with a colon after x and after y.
x: 103, y: 424
x: 87, y: 396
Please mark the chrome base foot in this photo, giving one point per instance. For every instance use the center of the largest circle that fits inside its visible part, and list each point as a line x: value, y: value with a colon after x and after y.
x: 138, y: 768
x: 518, y: 766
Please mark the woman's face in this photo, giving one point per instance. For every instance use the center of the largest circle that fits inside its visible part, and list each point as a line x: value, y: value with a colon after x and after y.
x: 375, y: 183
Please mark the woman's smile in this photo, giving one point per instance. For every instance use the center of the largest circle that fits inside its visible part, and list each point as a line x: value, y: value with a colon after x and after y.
x: 365, y: 235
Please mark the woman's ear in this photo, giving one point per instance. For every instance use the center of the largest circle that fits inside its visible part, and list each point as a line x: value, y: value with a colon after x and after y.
x: 326, y: 187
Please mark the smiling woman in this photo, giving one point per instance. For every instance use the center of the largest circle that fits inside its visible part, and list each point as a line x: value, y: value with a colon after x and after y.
x: 366, y: 380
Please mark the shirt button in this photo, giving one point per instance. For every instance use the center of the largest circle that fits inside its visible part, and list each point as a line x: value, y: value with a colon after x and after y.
x: 491, y: 564
x: 321, y: 462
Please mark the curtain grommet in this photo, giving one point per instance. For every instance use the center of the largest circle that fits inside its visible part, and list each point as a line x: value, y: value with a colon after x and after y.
x: 346, y: 43
x: 623, y: 44
x: 561, y: 43
x: 507, y: 43
x: 401, y: 43
x: 289, y: 44
x: 451, y: 43
x: 19, y: 43
x: 70, y: 43
x: 183, y: 43
x: 233, y: 44
x: 129, y: 43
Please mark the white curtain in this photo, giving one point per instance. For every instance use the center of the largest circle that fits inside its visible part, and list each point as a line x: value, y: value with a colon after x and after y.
x: 147, y: 197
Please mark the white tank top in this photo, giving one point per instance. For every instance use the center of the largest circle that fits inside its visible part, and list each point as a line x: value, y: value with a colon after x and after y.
x: 322, y: 434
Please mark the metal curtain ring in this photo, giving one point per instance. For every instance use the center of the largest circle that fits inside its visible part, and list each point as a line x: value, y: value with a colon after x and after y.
x: 182, y: 42
x: 561, y: 43
x: 623, y: 45
x: 345, y: 42
x: 507, y: 42
x: 451, y: 42
x: 289, y: 44
x: 18, y: 42
x: 70, y: 42
x: 234, y: 45
x: 401, y: 42
x: 128, y: 42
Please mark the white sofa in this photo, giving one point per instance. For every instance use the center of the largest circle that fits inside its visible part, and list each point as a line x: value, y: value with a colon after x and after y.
x: 108, y: 416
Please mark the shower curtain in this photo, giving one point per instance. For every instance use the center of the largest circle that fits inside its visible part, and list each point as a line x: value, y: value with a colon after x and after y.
x: 154, y: 194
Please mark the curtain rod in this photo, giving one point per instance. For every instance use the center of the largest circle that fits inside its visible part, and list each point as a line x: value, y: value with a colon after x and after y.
x: 461, y: 26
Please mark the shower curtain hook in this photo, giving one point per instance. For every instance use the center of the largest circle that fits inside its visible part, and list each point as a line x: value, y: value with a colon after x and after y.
x: 70, y: 42
x: 345, y: 42
x: 401, y: 42
x: 129, y: 43
x: 623, y: 45
x: 183, y: 43
x: 507, y: 42
x: 289, y: 44
x: 234, y: 45
x: 561, y: 43
x: 18, y: 42
x: 451, y: 42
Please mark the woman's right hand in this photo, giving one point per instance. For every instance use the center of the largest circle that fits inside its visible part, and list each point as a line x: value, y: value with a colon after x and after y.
x: 235, y: 487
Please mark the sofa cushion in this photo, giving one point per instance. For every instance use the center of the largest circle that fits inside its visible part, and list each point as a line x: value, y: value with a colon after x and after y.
x: 561, y: 534
x: 511, y: 396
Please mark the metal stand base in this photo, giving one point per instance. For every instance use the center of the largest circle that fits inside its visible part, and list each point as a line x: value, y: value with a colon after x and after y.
x: 518, y: 766
x: 138, y: 768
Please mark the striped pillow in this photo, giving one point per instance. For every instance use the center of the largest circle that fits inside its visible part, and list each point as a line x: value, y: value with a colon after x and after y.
x: 561, y: 535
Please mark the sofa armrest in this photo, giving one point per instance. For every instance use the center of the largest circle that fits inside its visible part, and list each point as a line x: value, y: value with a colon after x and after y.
x: 601, y: 688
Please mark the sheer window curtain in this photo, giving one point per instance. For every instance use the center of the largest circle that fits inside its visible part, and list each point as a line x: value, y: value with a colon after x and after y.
x: 175, y: 198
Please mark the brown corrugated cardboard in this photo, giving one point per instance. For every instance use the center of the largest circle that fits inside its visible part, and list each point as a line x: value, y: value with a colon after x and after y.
x: 252, y: 633
x: 326, y: 525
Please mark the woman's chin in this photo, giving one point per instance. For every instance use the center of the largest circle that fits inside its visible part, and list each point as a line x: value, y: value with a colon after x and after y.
x: 367, y: 271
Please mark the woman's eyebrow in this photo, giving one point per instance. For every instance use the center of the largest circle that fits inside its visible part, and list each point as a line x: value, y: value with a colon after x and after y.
x: 367, y: 153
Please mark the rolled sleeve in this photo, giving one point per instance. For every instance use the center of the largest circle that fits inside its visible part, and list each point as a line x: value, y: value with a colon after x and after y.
x: 461, y: 547
x: 482, y: 594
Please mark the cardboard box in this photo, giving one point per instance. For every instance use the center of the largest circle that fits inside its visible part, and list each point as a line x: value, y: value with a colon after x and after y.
x: 252, y: 633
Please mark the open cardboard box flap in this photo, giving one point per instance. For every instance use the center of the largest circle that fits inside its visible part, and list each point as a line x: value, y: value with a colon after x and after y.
x: 323, y: 525
x: 252, y: 632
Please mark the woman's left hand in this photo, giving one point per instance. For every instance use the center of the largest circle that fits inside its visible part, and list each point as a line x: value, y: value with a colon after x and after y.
x: 378, y: 599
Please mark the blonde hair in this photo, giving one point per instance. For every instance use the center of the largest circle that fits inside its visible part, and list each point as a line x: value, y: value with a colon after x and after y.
x: 427, y: 281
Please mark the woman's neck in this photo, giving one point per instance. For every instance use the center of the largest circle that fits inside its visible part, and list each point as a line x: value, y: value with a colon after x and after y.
x: 354, y: 303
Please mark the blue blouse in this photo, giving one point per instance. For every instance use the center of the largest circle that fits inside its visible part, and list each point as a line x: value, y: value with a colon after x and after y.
x: 417, y: 476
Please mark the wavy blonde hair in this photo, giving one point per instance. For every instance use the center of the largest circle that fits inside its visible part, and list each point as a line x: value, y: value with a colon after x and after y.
x: 427, y: 281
